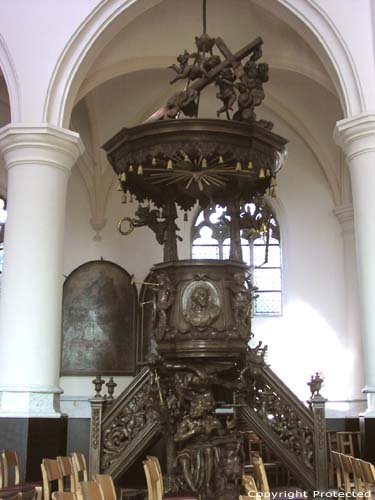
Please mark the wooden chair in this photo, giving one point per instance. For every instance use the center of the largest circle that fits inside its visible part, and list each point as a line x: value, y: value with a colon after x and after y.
x: 154, y: 479
x: 368, y: 477
x: 67, y: 471
x: 151, y: 480
x: 51, y: 473
x: 260, y: 474
x: 10, y: 479
x: 347, y: 474
x: 336, y: 462
x: 349, y: 443
x: 64, y: 495
x: 248, y: 482
x: 89, y: 490
x: 80, y: 468
x: 106, y: 483
x: 357, y: 473
x: 10, y: 461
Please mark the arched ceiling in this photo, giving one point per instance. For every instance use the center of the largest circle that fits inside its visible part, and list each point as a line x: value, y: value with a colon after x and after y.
x: 129, y: 79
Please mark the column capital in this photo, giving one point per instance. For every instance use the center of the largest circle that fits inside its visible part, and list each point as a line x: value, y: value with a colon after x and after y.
x: 356, y: 135
x: 40, y: 144
x: 345, y: 216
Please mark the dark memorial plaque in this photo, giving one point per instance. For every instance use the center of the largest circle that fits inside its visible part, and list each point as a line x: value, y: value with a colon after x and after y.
x: 99, y: 321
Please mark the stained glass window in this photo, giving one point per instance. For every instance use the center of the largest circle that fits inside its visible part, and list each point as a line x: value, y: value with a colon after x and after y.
x: 261, y: 249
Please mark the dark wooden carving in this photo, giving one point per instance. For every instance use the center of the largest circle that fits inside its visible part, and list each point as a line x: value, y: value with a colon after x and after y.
x: 99, y: 321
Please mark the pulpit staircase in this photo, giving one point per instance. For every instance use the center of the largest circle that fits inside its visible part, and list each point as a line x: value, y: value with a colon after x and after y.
x: 122, y: 430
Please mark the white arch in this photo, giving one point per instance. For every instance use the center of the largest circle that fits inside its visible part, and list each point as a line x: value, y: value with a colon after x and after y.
x: 104, y: 22
x: 300, y: 14
x: 11, y: 80
x: 110, y: 16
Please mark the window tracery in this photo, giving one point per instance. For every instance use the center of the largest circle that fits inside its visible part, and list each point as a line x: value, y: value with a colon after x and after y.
x: 260, y: 243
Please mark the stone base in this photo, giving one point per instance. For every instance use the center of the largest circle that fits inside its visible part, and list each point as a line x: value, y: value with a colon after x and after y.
x: 30, y: 402
x: 34, y: 439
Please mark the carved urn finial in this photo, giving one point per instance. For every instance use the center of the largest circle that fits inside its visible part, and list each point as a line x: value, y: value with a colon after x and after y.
x: 111, y: 385
x: 98, y: 384
x: 315, y: 384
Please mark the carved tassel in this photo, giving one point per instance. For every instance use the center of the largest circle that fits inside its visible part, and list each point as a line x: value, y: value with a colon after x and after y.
x: 131, y: 168
x: 153, y: 162
x: 204, y: 163
x: 221, y: 160
x: 169, y: 165
x: 123, y: 177
x: 140, y: 170
x: 261, y: 174
x: 273, y: 182
x: 268, y: 173
x: 238, y: 166
x: 250, y: 165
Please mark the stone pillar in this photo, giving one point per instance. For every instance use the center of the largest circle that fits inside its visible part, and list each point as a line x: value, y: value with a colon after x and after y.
x: 345, y: 216
x: 356, y: 136
x: 39, y: 160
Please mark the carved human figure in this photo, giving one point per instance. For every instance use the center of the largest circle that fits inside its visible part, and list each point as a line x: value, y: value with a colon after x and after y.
x: 201, y: 310
x: 199, y: 457
x: 241, y: 302
x: 226, y: 92
x: 164, y: 300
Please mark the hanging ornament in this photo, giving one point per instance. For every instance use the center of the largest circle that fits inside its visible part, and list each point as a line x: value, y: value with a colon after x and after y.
x: 268, y: 173
x: 169, y: 165
x: 221, y: 160
x: 204, y: 163
x: 261, y: 173
x: 250, y: 165
x: 140, y: 170
x: 273, y: 192
x: 123, y: 177
x: 131, y: 168
x: 153, y: 162
x: 273, y: 182
x: 238, y: 166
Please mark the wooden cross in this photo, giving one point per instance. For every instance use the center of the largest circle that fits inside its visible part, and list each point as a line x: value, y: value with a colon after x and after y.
x: 233, y: 60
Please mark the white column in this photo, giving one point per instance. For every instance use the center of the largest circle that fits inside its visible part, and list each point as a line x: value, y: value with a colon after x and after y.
x: 356, y: 136
x: 353, y: 340
x: 39, y: 160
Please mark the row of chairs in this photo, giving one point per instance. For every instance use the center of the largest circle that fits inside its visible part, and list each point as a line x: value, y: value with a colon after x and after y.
x: 353, y: 475
x: 67, y: 472
x: 70, y: 475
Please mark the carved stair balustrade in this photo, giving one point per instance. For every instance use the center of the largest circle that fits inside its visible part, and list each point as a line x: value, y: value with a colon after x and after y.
x: 122, y: 431
x: 293, y: 432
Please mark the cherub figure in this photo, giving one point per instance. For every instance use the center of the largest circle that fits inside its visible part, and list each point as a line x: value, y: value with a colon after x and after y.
x: 226, y: 93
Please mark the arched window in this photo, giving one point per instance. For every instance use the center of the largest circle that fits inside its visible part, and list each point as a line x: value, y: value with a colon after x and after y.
x: 261, y: 251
